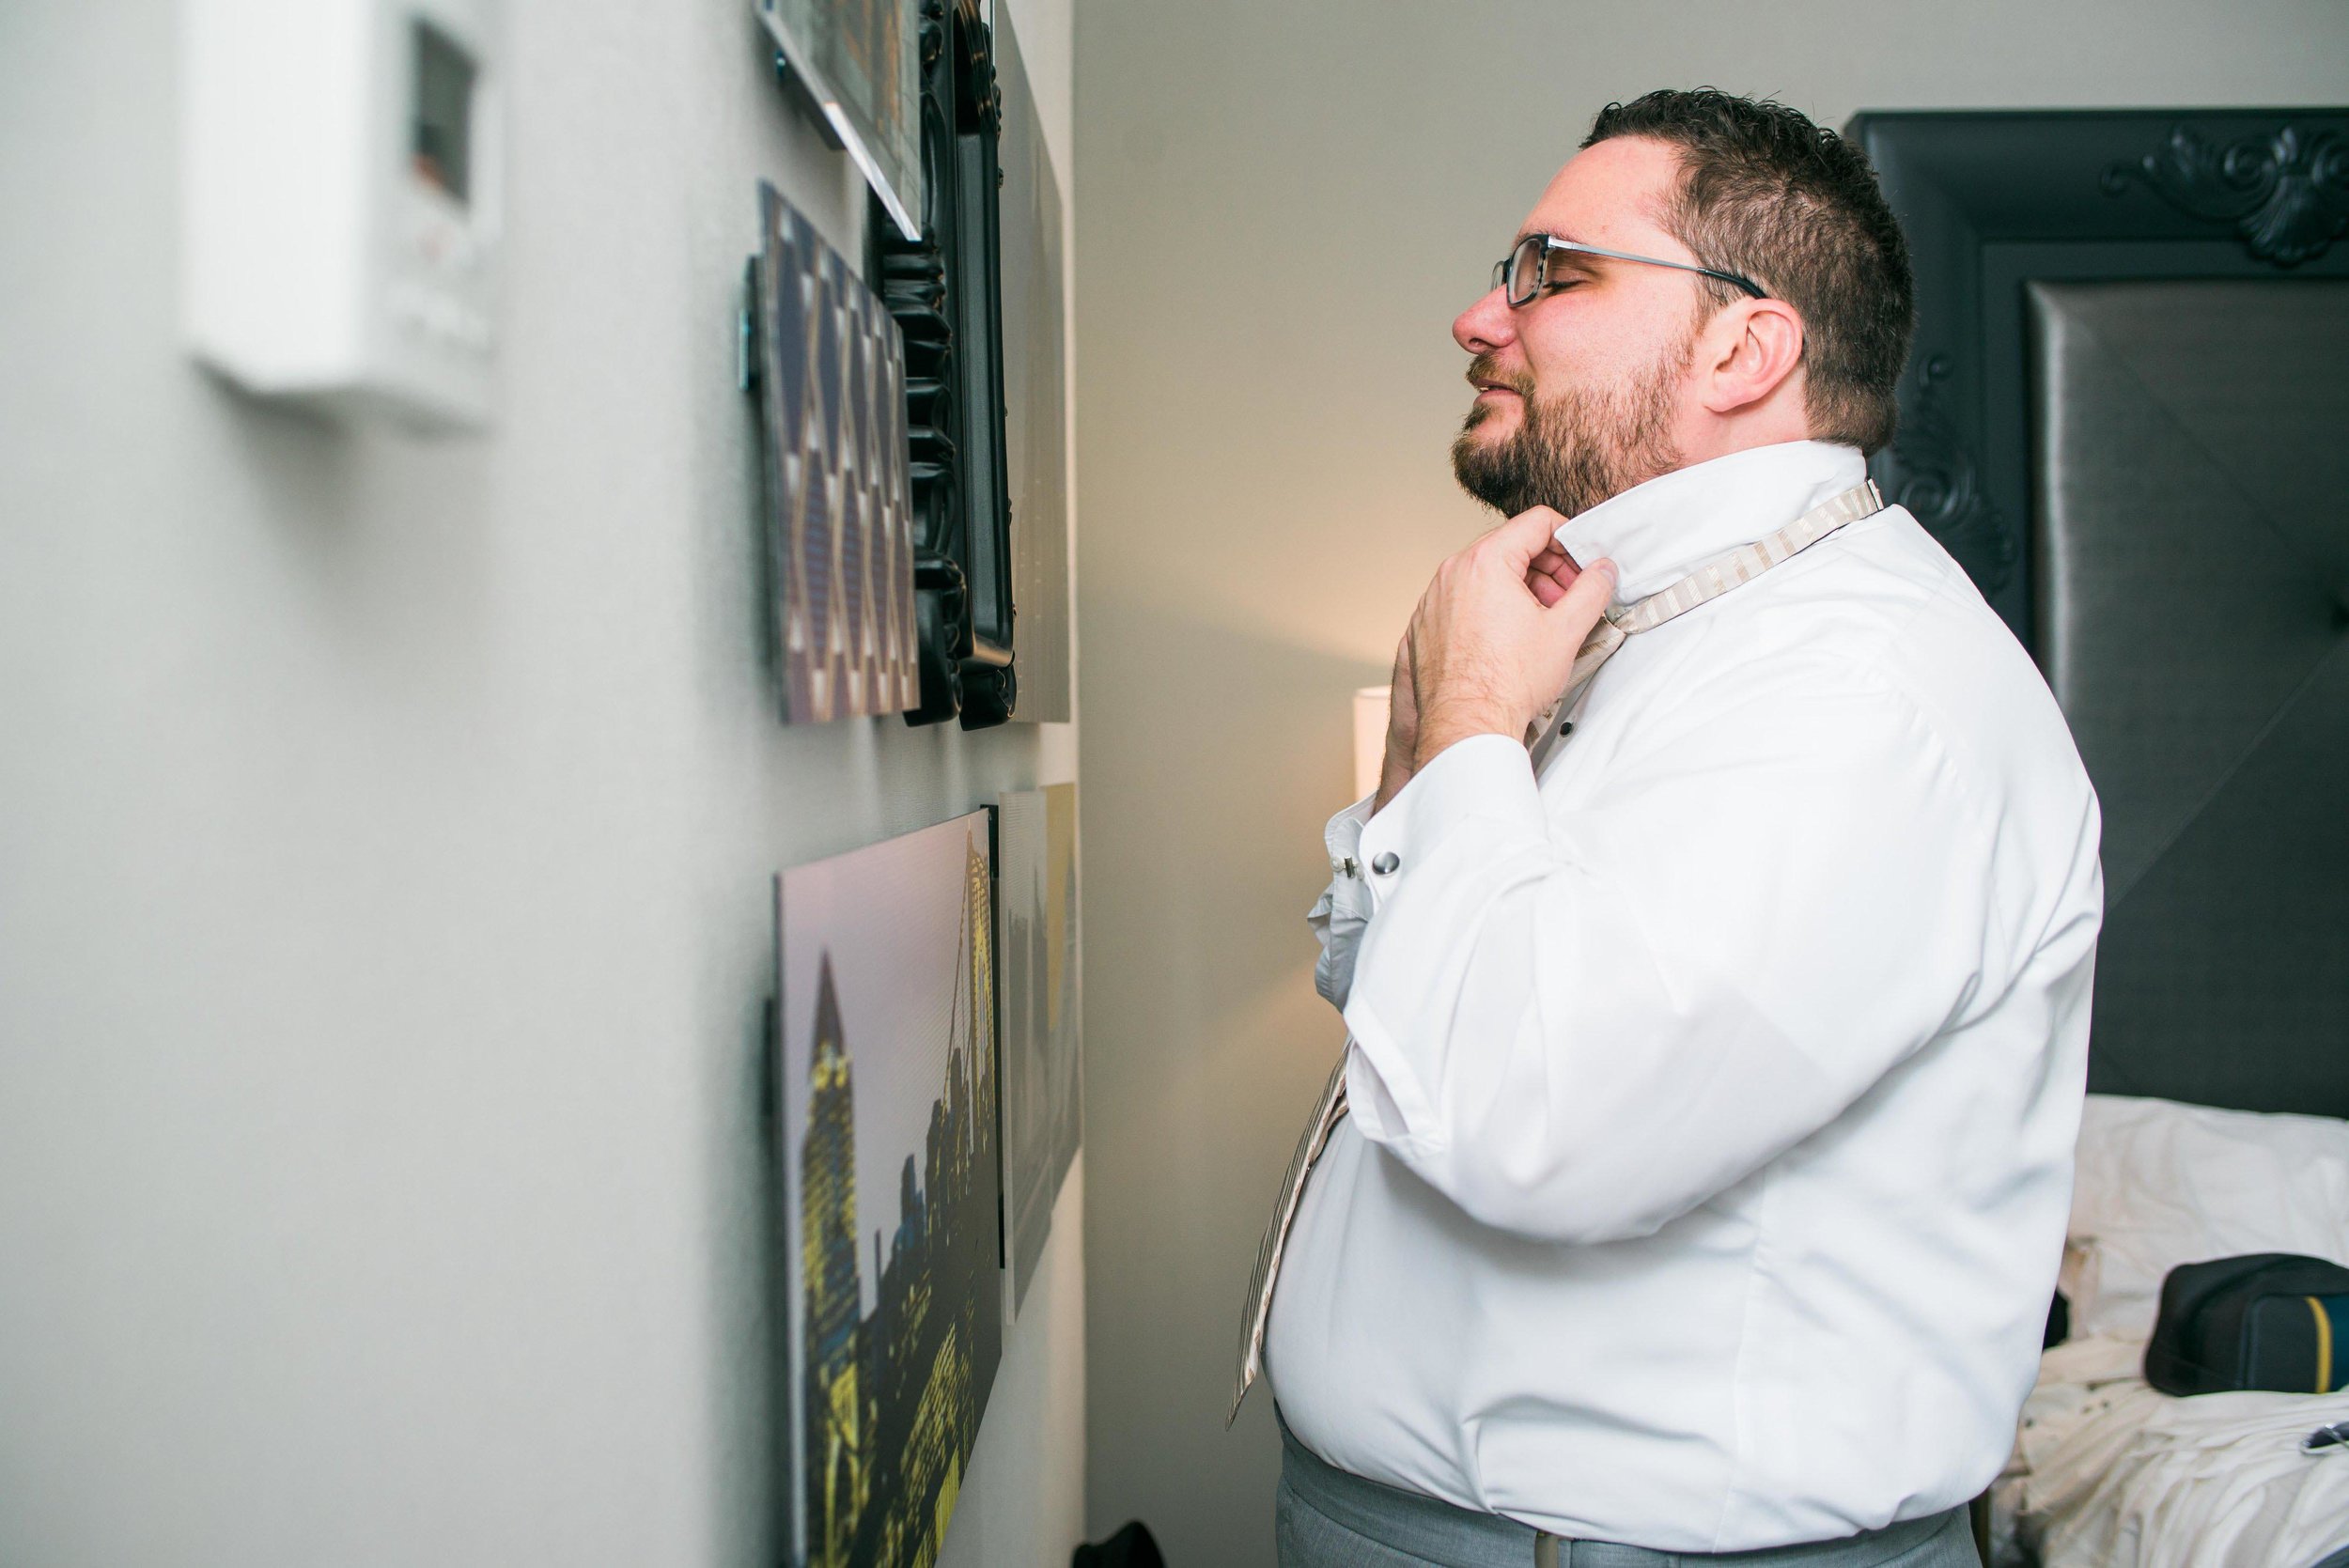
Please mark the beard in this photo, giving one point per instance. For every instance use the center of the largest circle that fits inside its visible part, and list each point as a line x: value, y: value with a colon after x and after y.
x: 1575, y: 449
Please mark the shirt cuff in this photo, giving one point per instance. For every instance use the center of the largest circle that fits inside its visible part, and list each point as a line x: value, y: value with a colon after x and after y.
x: 1337, y: 918
x: 1344, y: 835
x: 1470, y: 815
x: 1484, y: 777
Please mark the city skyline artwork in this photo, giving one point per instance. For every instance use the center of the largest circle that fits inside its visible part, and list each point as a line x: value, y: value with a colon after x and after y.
x: 892, y: 1190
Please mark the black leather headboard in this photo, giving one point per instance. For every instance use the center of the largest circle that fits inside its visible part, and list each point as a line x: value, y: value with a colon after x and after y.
x: 2192, y: 566
x: 2127, y: 416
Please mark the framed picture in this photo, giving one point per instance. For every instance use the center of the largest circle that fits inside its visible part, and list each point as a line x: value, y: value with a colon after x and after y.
x: 944, y: 289
x: 1035, y: 392
x: 1035, y: 899
x: 891, y: 1267
x: 829, y: 367
x: 859, y: 63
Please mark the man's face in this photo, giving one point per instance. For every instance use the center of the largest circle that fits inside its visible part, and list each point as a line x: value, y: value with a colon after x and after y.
x: 1578, y: 392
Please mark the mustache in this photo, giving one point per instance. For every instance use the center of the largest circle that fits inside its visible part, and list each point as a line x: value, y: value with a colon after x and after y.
x: 1486, y: 370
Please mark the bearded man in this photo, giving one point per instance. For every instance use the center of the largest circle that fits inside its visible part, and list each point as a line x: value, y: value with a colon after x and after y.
x: 1715, y: 951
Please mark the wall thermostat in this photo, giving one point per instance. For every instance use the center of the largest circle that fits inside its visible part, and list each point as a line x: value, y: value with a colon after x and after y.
x: 342, y: 195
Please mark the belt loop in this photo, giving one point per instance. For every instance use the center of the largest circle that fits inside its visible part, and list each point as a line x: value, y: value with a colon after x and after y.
x: 1546, y: 1553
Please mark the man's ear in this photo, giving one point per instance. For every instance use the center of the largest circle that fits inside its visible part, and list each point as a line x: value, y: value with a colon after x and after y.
x: 1752, y: 347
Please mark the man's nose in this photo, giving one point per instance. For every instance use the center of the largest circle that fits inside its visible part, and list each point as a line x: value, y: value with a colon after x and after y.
x: 1487, y: 325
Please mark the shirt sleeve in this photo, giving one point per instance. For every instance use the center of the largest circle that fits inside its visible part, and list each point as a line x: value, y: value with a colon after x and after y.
x: 1338, y: 916
x: 1579, y: 1023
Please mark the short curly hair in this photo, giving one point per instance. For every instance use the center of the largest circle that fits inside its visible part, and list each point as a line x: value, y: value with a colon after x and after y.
x: 1767, y: 193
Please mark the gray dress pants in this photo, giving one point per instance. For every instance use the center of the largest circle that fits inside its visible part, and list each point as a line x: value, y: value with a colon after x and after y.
x: 1326, y: 1517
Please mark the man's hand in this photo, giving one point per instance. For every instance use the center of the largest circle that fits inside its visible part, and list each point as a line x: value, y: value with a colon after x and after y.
x: 1495, y: 635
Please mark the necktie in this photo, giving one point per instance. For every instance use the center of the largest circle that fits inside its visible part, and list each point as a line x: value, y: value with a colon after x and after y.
x: 1708, y: 583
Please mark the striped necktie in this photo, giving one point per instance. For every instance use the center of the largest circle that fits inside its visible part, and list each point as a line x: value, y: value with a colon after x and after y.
x: 1701, y: 586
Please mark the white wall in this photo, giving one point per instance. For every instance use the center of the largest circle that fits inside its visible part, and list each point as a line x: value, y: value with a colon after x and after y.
x: 385, y: 834
x: 1284, y: 204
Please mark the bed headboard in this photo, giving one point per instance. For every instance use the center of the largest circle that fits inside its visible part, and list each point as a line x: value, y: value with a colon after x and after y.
x: 2127, y: 415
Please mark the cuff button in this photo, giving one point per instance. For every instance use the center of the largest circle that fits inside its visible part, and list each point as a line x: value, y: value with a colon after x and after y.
x: 1386, y: 865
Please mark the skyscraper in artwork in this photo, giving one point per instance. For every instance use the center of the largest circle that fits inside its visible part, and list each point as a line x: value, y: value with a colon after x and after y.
x: 836, y: 1460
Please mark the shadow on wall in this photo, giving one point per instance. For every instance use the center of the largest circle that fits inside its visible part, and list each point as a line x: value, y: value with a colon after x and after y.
x: 1243, y: 736
x: 339, y: 507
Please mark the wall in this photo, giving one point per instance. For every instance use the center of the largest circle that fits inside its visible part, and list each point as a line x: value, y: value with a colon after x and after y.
x: 1285, y: 206
x: 385, y: 834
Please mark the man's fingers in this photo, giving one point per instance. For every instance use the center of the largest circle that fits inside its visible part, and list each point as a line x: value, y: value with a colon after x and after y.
x: 1577, y: 609
x: 1559, y: 566
x: 1551, y: 573
x: 1526, y: 536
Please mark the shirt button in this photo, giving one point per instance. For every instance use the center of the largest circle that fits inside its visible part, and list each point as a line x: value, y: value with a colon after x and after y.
x: 1386, y: 865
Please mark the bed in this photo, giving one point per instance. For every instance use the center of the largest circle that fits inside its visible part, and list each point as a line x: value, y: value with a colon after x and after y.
x: 2123, y: 416
x: 2108, y: 1472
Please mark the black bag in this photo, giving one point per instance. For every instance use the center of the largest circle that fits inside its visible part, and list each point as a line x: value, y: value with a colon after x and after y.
x: 1130, y: 1547
x: 2268, y: 1320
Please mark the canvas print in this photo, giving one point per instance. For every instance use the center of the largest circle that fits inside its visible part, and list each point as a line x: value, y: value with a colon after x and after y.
x: 1035, y: 395
x: 1043, y: 1073
x: 861, y: 61
x: 892, y: 1189
x: 839, y: 478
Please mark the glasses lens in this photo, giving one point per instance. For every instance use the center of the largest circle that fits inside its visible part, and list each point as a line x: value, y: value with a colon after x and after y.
x: 1525, y: 268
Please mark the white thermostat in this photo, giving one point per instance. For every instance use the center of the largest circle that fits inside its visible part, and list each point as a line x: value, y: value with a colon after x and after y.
x: 342, y: 202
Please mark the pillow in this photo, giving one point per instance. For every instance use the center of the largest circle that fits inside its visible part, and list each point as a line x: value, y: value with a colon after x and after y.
x: 2161, y: 1184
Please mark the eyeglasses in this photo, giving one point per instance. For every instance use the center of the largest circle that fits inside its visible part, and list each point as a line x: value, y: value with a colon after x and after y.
x: 1524, y: 272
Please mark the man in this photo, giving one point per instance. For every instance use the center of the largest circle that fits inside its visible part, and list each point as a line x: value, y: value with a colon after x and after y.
x: 1695, y: 1178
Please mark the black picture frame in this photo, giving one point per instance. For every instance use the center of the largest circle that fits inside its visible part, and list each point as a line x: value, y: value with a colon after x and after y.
x: 1994, y: 200
x: 946, y: 291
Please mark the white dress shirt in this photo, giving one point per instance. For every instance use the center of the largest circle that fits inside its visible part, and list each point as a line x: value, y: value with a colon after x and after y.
x: 1713, y: 1095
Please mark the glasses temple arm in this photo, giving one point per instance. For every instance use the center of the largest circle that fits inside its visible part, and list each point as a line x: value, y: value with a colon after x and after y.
x: 1554, y: 244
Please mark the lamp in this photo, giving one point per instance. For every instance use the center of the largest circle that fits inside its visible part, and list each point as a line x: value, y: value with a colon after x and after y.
x: 1370, y: 737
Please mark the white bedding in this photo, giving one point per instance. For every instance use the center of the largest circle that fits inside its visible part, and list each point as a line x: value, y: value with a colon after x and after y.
x: 2159, y: 1184
x: 2107, y: 1472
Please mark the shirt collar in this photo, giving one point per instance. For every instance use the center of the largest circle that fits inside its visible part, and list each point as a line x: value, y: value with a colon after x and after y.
x: 1658, y: 532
